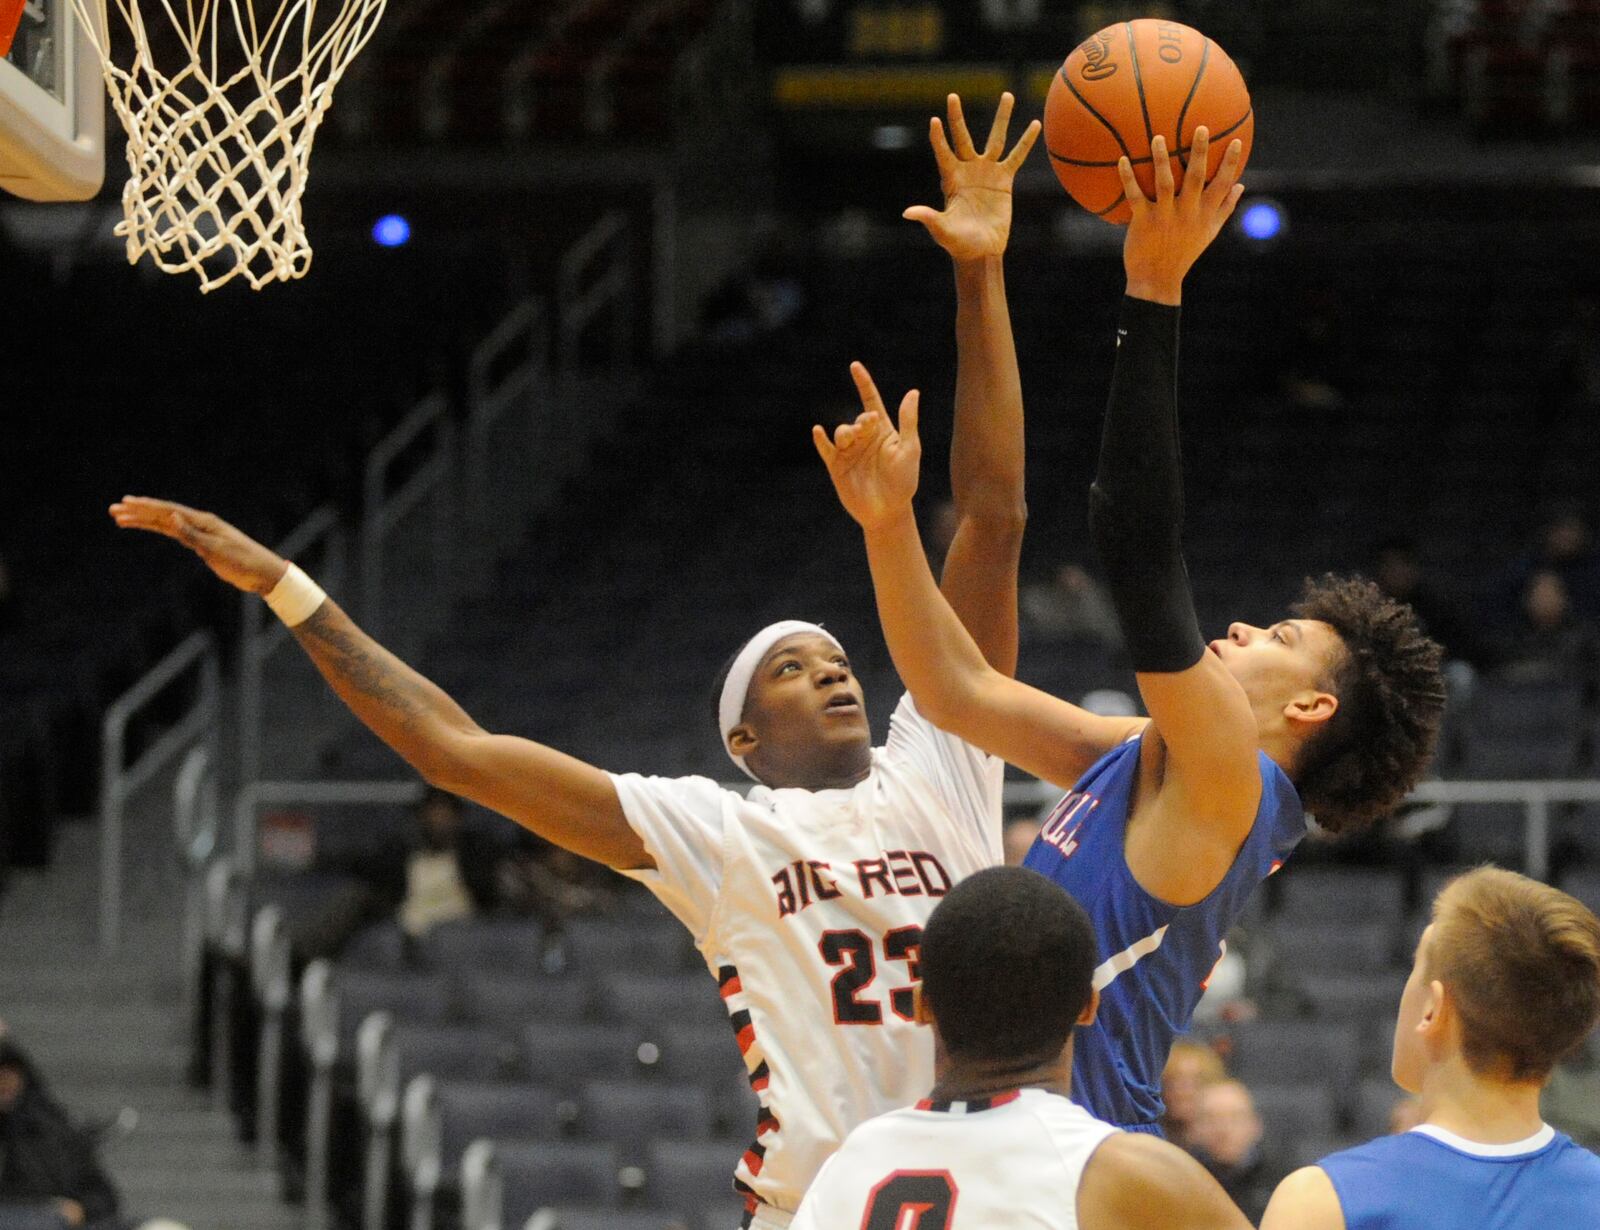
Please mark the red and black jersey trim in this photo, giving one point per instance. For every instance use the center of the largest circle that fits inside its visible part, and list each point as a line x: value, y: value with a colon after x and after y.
x: 971, y: 1106
x: 731, y: 988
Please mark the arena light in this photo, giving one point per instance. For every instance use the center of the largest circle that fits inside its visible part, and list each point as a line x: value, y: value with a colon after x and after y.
x: 391, y: 231
x: 891, y: 136
x: 1262, y: 220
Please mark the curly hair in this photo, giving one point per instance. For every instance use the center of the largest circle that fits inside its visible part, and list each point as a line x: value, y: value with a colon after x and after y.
x: 1391, y: 692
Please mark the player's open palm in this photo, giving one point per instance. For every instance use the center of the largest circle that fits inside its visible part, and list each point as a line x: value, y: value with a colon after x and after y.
x: 873, y: 466
x: 1167, y: 235
x: 234, y: 556
x: 976, y: 219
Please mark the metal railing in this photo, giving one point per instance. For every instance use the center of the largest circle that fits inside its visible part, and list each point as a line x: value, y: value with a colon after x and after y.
x: 254, y: 795
x: 521, y: 339
x: 119, y: 782
x: 1535, y: 797
x: 260, y: 636
x: 382, y: 510
x: 582, y: 299
x: 196, y: 825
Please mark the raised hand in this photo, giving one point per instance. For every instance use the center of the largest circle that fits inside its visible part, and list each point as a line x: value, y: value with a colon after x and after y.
x: 1167, y: 235
x: 874, y: 467
x: 237, y: 558
x: 976, y: 219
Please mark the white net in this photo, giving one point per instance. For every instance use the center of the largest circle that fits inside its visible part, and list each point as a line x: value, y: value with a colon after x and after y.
x: 221, y: 109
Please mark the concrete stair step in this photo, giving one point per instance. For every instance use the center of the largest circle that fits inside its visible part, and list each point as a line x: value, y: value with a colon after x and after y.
x: 203, y: 1182
x: 100, y: 1099
x: 129, y: 1019
x: 214, y: 1215
x: 145, y: 1150
x: 197, y: 1123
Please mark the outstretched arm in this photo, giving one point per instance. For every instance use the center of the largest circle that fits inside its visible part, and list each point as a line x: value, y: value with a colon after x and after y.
x: 874, y: 469
x: 1201, y: 715
x: 986, y: 452
x: 564, y: 800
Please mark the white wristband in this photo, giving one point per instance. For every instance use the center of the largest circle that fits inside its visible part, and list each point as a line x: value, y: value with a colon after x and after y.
x: 296, y: 597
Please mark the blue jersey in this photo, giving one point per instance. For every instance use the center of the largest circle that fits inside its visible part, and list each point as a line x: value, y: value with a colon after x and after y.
x: 1429, y: 1178
x: 1153, y: 958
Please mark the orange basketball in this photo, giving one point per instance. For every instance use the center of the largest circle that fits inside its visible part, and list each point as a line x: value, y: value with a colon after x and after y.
x: 1123, y: 87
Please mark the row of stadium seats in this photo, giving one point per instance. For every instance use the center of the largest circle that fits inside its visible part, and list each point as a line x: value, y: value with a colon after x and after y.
x: 1514, y: 61
x: 581, y: 1079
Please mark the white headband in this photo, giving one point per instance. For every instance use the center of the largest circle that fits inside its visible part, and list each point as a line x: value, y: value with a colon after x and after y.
x: 736, y: 688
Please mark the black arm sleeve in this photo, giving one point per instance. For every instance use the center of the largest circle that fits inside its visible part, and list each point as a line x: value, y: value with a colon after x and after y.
x: 1136, y: 502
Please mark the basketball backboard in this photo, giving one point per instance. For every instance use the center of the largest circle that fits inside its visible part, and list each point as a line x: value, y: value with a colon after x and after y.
x: 52, y: 108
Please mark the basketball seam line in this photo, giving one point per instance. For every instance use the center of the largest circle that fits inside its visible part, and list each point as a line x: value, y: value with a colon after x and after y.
x: 1121, y: 197
x: 1138, y: 81
x: 1183, y: 114
x: 1139, y: 162
x: 1089, y: 107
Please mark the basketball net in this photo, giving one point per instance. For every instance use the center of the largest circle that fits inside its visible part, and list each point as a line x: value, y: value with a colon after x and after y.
x: 219, y: 137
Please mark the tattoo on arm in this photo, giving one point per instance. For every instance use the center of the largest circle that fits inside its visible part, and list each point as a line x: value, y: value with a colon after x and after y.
x: 402, y: 707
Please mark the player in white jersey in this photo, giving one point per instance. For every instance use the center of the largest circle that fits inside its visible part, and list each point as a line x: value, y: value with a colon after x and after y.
x: 1007, y: 972
x: 807, y: 897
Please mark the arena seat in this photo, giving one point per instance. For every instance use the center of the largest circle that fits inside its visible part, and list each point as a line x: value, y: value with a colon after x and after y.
x: 602, y: 945
x: 685, y: 1174
x: 1292, y: 1112
x: 654, y: 999
x: 1323, y: 1053
x: 590, y: 1218
x: 1306, y: 948
x: 531, y: 1176
x: 1316, y: 894
x: 629, y: 1114
x: 441, y: 1118
x: 509, y: 946
x: 489, y: 998
x: 388, y: 1057
x: 566, y: 1056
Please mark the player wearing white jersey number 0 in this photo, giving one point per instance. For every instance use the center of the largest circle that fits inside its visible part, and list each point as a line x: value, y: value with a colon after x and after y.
x: 806, y: 898
x: 1008, y: 972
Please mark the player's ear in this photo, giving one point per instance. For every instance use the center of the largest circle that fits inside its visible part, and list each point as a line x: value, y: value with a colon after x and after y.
x: 1091, y: 1009
x: 1309, y: 710
x: 919, y: 1006
x: 742, y: 740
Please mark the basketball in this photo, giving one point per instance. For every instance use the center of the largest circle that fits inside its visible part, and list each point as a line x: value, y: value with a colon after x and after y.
x: 1124, y: 86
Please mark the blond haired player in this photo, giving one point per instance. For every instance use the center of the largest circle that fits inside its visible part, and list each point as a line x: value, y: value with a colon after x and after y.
x: 1505, y: 983
x: 1008, y: 971
x: 807, y: 898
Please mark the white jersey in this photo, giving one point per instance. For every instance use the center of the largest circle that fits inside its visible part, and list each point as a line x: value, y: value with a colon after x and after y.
x: 808, y: 906
x: 1011, y: 1162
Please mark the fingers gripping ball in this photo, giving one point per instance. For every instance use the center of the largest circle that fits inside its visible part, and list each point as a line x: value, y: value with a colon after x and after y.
x: 1128, y: 84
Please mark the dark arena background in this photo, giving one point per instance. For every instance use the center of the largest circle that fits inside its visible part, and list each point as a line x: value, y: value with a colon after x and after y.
x: 585, y: 274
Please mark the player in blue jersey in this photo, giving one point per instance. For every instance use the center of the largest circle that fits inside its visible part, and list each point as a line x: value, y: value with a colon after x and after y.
x: 1170, y: 822
x: 1505, y: 983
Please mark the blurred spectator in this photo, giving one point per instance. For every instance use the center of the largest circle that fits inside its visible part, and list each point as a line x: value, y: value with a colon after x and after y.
x: 449, y: 870
x: 50, y: 1178
x: 551, y: 884
x: 1017, y: 837
x: 1224, y: 1001
x: 1190, y: 1067
x: 1227, y: 1142
x: 1397, y: 570
x: 1405, y: 1114
x: 1070, y: 606
x: 1563, y: 544
x: 1550, y: 642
